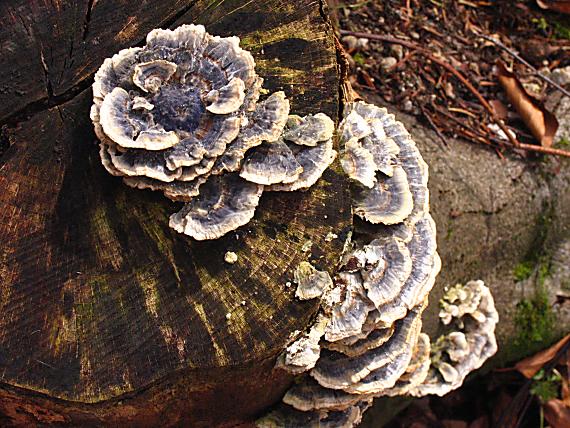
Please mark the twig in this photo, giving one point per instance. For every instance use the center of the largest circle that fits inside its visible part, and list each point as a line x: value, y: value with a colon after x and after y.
x: 435, y: 128
x: 444, y: 64
x: 527, y: 147
x: 546, y: 150
x: 401, y: 62
x: 474, y: 91
x: 522, y: 60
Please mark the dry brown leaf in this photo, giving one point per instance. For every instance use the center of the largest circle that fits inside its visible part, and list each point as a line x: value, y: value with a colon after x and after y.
x: 557, y: 414
x: 538, y: 120
x: 562, y: 6
x: 499, y: 108
x: 502, y: 406
x: 531, y: 365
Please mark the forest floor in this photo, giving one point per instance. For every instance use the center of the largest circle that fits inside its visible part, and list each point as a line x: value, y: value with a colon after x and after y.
x: 481, y: 71
x: 466, y: 98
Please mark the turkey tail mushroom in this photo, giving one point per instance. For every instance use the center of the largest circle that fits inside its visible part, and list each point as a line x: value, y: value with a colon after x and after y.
x: 182, y: 115
x: 374, y: 141
x: 183, y: 111
x: 371, y: 344
x: 470, y: 308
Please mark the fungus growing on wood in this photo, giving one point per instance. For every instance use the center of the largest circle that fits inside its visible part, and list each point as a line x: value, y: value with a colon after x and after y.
x: 311, y: 283
x: 388, y: 202
x: 310, y: 140
x: 374, y: 141
x: 265, y: 123
x: 286, y: 416
x: 370, y: 340
x: 177, y: 190
x: 358, y: 163
x: 349, y: 315
x: 385, y: 273
x: 183, y: 115
x: 372, y: 345
x: 183, y: 111
x: 309, y: 130
x: 302, y: 354
x: 417, y: 369
x: 376, y: 369
x: 426, y: 265
x: 224, y: 203
x: 470, y: 309
x: 230, y: 257
x: 271, y: 163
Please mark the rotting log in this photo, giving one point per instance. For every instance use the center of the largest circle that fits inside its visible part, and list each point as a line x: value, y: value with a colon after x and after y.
x: 108, y: 316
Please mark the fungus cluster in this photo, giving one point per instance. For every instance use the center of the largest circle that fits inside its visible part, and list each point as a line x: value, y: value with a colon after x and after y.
x: 372, y: 343
x: 182, y: 115
x: 470, y: 309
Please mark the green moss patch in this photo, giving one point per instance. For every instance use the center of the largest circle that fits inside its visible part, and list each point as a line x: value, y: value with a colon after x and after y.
x: 534, y: 318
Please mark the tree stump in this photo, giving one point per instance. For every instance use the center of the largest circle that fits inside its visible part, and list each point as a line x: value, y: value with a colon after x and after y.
x: 109, y: 317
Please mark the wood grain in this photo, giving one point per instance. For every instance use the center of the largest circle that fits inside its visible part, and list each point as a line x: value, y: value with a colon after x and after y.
x: 101, y: 301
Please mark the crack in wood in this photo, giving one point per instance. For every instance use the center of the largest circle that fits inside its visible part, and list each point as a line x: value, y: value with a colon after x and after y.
x: 49, y: 87
x: 21, y: 18
x: 87, y: 19
x: 323, y: 6
x: 4, y: 141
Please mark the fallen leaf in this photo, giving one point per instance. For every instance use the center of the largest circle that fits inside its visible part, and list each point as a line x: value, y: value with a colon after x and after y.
x: 501, y: 411
x: 538, y: 120
x: 562, y: 6
x: 499, y: 108
x: 531, y: 365
x: 557, y: 414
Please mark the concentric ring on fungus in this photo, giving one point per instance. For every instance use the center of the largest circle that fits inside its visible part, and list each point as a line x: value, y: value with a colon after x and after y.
x: 184, y: 110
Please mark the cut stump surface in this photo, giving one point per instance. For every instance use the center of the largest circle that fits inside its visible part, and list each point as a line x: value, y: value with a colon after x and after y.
x: 107, y: 314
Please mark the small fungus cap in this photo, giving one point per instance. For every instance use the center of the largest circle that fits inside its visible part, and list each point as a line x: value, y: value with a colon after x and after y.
x: 224, y: 204
x: 470, y: 309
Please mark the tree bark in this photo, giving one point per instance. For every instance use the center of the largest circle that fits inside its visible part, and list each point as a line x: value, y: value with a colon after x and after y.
x: 108, y: 315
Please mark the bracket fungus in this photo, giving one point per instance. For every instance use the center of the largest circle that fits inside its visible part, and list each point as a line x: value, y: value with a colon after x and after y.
x: 389, y: 174
x: 470, y: 309
x: 182, y: 115
x: 311, y: 283
x: 371, y: 343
